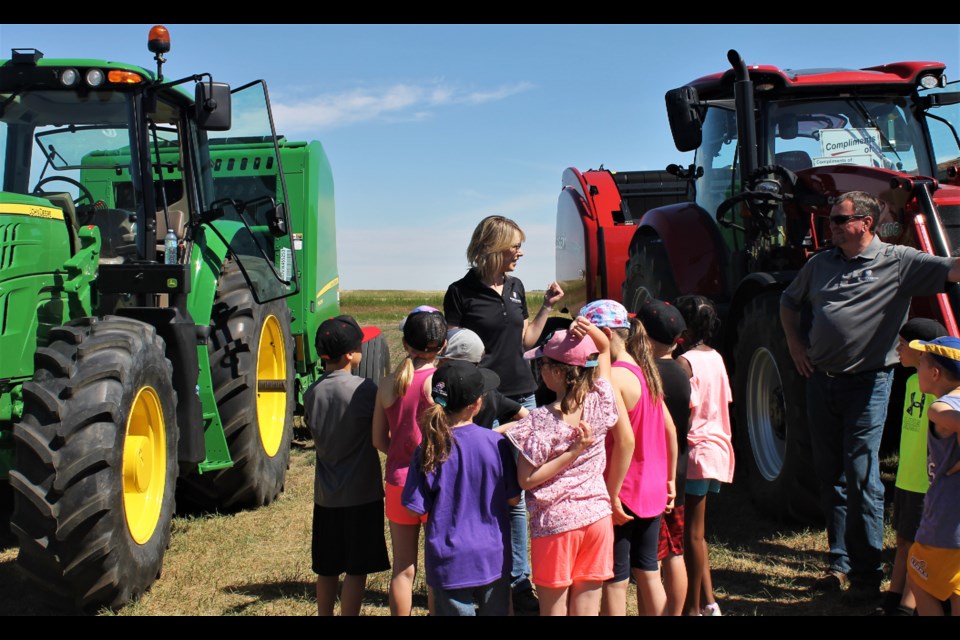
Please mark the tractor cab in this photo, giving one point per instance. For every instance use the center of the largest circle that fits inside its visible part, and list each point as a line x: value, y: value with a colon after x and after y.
x: 112, y: 148
x: 836, y: 130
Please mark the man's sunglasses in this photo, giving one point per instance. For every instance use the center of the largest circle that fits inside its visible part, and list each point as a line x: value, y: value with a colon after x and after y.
x: 841, y: 220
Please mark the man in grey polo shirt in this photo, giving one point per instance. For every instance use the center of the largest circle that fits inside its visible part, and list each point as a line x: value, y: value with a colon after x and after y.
x: 859, y: 294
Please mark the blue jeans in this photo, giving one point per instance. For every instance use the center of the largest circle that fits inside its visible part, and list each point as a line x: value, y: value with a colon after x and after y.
x: 846, y: 416
x: 520, y: 574
x: 488, y: 600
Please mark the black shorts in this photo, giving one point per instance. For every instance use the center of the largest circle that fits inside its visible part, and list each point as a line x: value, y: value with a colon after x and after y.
x: 635, y: 546
x: 349, y: 540
x: 907, y: 512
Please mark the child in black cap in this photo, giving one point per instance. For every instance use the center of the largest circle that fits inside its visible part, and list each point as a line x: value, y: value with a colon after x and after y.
x: 912, y: 480
x: 348, y: 492
x: 464, y: 477
x: 665, y: 324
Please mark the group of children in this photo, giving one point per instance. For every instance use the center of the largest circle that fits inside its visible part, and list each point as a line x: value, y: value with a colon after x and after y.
x: 926, y: 569
x: 616, y: 469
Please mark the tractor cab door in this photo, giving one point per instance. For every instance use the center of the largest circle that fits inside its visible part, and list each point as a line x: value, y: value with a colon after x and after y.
x: 245, y: 195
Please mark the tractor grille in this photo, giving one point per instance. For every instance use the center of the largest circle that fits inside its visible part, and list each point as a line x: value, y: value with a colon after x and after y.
x: 8, y: 237
x: 950, y: 219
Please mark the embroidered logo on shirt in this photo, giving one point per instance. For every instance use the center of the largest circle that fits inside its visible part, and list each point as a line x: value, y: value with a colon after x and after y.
x: 920, y: 566
x: 515, y: 298
x: 855, y: 277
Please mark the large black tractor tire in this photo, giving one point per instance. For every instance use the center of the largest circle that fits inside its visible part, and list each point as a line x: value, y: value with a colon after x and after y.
x: 648, y: 272
x: 772, y: 434
x: 252, y: 370
x: 375, y: 363
x: 96, y: 463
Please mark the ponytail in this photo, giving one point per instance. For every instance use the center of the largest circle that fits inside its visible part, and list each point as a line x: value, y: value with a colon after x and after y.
x: 403, y: 376
x: 638, y: 346
x: 437, y: 438
x: 700, y: 315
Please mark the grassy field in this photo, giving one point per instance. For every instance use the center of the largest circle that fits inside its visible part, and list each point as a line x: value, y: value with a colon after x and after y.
x: 258, y: 562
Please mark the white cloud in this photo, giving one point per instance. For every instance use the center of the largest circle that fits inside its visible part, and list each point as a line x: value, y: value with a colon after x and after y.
x: 396, y: 103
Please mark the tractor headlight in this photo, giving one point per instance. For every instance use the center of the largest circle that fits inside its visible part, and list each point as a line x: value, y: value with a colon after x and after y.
x: 931, y: 81
x: 69, y: 77
x: 94, y: 77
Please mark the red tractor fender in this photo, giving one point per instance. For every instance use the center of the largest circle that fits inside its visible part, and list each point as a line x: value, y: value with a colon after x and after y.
x: 693, y: 244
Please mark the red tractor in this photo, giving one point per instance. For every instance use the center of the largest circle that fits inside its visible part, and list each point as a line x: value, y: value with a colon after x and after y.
x: 773, y: 148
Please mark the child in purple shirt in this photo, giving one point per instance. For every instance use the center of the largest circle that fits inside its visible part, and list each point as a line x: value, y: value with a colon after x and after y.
x: 464, y: 477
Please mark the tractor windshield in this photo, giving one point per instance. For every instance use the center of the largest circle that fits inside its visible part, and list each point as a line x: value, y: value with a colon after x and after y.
x: 859, y: 131
x: 46, y: 136
x: 74, y: 149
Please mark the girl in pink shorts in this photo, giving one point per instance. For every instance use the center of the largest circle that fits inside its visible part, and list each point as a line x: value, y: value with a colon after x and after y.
x: 561, y: 466
x: 400, y: 400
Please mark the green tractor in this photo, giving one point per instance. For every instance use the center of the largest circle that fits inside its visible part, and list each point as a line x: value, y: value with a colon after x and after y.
x: 165, y: 261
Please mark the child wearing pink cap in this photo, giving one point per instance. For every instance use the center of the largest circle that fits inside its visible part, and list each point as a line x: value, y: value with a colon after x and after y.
x: 561, y: 465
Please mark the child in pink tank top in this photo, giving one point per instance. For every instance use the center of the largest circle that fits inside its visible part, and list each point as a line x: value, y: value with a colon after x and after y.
x: 401, y: 398
x: 648, y: 486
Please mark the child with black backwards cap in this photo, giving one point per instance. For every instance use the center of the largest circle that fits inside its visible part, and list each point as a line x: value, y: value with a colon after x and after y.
x: 463, y: 476
x: 348, y: 494
x: 933, y: 563
x: 665, y: 325
x: 403, y: 396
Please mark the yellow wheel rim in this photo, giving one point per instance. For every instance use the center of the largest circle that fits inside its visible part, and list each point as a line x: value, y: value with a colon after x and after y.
x: 271, y: 386
x: 144, y: 465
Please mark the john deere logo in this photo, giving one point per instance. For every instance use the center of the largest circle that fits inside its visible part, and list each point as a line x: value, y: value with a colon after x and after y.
x: 171, y: 283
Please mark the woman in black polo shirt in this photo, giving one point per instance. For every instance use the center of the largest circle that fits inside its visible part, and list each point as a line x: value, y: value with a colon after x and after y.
x: 493, y: 304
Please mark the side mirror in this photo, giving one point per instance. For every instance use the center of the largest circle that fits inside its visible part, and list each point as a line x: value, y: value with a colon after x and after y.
x: 213, y: 102
x: 683, y: 111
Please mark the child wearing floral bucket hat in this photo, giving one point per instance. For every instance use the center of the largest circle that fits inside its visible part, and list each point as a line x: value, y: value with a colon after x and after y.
x: 561, y: 465
x: 933, y: 563
x: 641, y: 481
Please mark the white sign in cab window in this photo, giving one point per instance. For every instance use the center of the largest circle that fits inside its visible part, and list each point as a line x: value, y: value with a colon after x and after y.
x: 850, y: 146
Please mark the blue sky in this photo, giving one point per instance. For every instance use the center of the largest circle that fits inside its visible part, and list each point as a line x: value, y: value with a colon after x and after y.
x: 430, y: 128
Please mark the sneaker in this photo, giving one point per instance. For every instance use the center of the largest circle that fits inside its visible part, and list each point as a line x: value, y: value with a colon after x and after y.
x: 831, y: 581
x: 525, y: 603
x: 712, y: 609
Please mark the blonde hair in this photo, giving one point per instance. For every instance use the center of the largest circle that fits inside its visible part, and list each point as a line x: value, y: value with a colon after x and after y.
x: 403, y: 374
x: 637, y: 343
x: 490, y: 239
x: 577, y: 381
